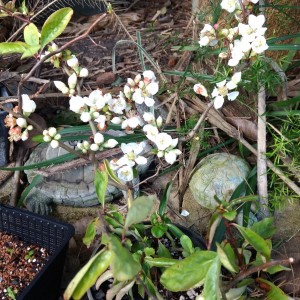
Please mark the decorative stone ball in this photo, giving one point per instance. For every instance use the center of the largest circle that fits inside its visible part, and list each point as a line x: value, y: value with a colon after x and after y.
x: 218, y: 175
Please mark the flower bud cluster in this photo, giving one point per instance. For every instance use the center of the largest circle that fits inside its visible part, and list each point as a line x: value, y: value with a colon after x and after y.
x: 51, y: 135
x: 19, y: 129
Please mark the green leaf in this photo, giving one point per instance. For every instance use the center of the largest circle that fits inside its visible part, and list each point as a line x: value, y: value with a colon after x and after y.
x: 189, y: 272
x: 90, y: 232
x: 160, y: 262
x: 30, y: 51
x: 286, y: 103
x: 265, y: 228
x: 282, y: 38
x: 187, y: 245
x: 101, y: 183
x: 35, y: 181
x: 273, y: 292
x: 235, y: 293
x: 211, y: 288
x: 230, y: 215
x: 55, y: 25
x: 149, y: 251
x: 88, y: 275
x: 227, y: 257
x: 12, y: 47
x: 278, y: 268
x: 165, y: 198
x: 158, y: 230
x: 31, y: 35
x: 255, y: 240
x: 163, y: 251
x: 284, y: 47
x: 139, y: 210
x: 123, y: 265
x: 111, y: 173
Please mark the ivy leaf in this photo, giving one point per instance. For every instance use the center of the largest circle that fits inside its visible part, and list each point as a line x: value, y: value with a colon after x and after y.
x: 55, y: 25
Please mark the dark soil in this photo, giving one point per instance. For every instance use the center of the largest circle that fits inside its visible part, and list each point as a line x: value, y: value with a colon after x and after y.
x: 19, y: 263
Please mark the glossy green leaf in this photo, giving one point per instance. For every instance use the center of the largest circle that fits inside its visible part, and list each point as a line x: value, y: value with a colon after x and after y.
x: 101, y: 183
x: 55, y: 25
x: 30, y: 51
x: 158, y: 230
x: 88, y: 275
x: 265, y: 228
x: 211, y: 288
x: 227, y: 257
x: 91, y: 232
x: 123, y: 265
x: 189, y: 272
x: 255, y: 240
x: 187, y: 245
x: 12, y: 47
x: 165, y: 198
x: 139, y: 210
x: 31, y: 35
x: 274, y: 269
x: 274, y: 292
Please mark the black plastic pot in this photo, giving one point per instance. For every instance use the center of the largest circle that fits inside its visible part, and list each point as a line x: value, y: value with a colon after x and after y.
x: 196, y: 238
x: 44, y: 232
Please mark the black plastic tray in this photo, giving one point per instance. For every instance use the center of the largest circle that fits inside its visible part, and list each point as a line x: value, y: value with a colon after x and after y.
x: 45, y: 232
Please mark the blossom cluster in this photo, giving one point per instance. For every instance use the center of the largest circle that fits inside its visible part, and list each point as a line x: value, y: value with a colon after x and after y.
x: 18, y: 127
x: 241, y: 42
x: 102, y: 109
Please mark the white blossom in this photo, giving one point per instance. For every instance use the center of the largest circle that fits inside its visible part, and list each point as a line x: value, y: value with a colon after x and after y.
x: 83, y: 73
x: 94, y: 147
x: 117, y: 105
x: 259, y: 45
x: 111, y: 143
x: 148, y: 117
x: 131, y: 154
x: 151, y: 132
x: 52, y: 131
x: 230, y: 5
x: 235, y: 79
x: 73, y: 62
x: 101, y: 122
x: 125, y: 173
x: 28, y: 105
x: 98, y: 138
x: 163, y: 141
x: 171, y: 156
x: 21, y: 122
x: 208, y: 36
x: 132, y: 122
x: 85, y: 117
x: 116, y: 120
x: 61, y: 87
x: 77, y: 103
x: 200, y: 90
x: 72, y: 81
x: 54, y: 144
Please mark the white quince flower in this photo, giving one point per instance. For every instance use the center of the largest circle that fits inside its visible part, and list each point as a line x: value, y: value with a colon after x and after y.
x: 21, y: 122
x: 54, y: 144
x: 235, y: 79
x: 142, y: 96
x: 200, y: 89
x: 101, y: 122
x: 117, y: 105
x: 84, y: 72
x: 171, y: 156
x: 132, y: 151
x: 151, y: 132
x: 116, y: 120
x: 28, y: 105
x: 111, y: 143
x: 163, y: 141
x: 98, y: 138
x: 125, y: 173
x: 256, y: 23
x: 230, y: 5
x: 132, y: 122
x: 77, y: 103
x: 85, y: 117
x: 72, y: 80
x: 61, y: 87
x: 73, y: 62
x: 148, y: 117
x: 149, y: 76
x: 94, y: 147
x: 259, y: 45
